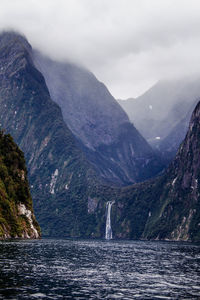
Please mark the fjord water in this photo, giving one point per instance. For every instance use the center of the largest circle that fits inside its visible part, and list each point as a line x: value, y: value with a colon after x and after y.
x: 97, y: 269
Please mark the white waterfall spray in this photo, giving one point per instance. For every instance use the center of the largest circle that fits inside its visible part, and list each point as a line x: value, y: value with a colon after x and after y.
x: 108, y: 234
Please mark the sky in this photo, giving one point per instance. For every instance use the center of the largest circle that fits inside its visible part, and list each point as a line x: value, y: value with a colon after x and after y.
x: 128, y: 44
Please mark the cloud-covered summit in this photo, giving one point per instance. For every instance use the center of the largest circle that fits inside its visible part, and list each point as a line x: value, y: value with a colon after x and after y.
x: 128, y: 44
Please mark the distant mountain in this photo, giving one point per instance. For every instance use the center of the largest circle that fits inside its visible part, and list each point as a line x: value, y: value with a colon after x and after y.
x: 16, y: 209
x: 168, y: 207
x: 170, y: 144
x: 115, y: 148
x: 176, y: 212
x: 158, y: 111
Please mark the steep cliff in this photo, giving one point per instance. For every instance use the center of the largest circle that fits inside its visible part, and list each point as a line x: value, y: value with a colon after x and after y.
x: 110, y: 142
x: 167, y: 207
x: 16, y: 211
x: 62, y: 181
x: 177, y: 212
x: 69, y: 198
x: 58, y: 173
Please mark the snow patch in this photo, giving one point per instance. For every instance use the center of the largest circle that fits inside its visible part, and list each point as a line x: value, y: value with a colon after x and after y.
x: 132, y: 150
x: 54, y: 177
x: 196, y: 183
x: 173, y: 182
x: 157, y: 138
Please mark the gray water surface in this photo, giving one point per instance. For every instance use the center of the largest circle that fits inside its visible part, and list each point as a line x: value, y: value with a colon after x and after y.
x: 95, y: 269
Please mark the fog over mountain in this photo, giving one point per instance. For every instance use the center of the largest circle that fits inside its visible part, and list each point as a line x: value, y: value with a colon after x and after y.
x: 162, y: 113
x: 102, y: 129
x: 129, y: 45
x: 158, y: 110
x: 69, y: 197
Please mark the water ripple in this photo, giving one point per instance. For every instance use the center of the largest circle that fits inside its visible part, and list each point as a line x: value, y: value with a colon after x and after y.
x: 80, y: 269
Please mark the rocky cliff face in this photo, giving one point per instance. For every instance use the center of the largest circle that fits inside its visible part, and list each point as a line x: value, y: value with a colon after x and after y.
x: 179, y: 213
x: 116, y: 149
x: 167, y: 208
x: 58, y: 173
x: 67, y: 194
x: 16, y: 211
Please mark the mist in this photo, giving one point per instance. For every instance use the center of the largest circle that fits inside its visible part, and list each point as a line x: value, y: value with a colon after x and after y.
x: 129, y: 45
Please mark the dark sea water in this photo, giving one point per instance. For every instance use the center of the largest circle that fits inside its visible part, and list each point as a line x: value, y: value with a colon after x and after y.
x: 87, y: 269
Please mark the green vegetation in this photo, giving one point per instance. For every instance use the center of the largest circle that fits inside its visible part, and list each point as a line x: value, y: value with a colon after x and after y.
x: 14, y: 190
x: 69, y: 198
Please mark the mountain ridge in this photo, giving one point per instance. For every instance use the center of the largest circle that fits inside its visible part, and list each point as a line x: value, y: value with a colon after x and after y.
x: 55, y: 164
x: 157, y: 112
x: 69, y: 198
x: 98, y: 123
x: 167, y: 207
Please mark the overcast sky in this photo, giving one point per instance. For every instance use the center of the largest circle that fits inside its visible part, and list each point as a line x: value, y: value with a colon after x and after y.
x: 127, y: 44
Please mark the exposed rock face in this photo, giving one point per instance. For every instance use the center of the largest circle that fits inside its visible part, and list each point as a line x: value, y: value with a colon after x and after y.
x: 16, y: 212
x: 23, y: 211
x: 88, y: 108
x: 114, y: 147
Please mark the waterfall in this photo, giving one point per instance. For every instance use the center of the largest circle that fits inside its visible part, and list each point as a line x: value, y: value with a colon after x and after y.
x: 108, y: 235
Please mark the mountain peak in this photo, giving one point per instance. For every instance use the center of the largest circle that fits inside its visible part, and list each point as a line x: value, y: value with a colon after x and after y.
x: 8, y: 38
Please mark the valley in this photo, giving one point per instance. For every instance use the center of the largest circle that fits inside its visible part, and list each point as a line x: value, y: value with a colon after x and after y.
x: 82, y: 153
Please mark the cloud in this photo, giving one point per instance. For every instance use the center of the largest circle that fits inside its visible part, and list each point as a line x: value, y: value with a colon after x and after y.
x: 128, y: 44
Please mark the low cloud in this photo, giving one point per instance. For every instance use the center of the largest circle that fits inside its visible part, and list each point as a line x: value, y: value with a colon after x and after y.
x: 128, y: 44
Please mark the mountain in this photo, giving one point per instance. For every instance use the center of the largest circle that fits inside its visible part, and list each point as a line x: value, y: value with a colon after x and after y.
x: 160, y: 109
x: 117, y: 151
x: 68, y: 195
x: 69, y: 198
x: 59, y: 175
x: 16, y: 211
x: 170, y: 144
x: 168, y: 207
x: 178, y: 214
